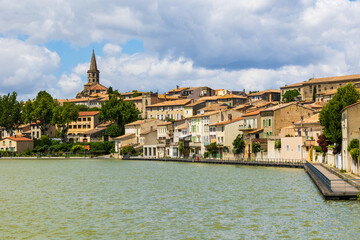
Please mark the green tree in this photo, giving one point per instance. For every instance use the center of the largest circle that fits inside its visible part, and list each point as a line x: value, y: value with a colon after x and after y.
x: 212, y: 148
x: 290, y: 95
x: 256, y: 147
x: 115, y: 109
x: 330, y: 115
x: 77, y: 148
x: 136, y: 93
x: 10, y: 112
x: 239, y: 144
x: 353, y: 148
x: 110, y: 90
x: 113, y: 131
x: 27, y: 113
x: 127, y: 150
x: 314, y: 94
x: 277, y: 144
x: 43, y: 108
x: 63, y: 116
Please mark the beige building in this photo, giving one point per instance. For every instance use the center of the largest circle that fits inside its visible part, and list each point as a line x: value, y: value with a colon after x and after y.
x: 164, y: 137
x: 232, y: 100
x: 169, y: 109
x: 319, y: 85
x: 192, y: 108
x: 270, y: 95
x: 86, y: 121
x: 16, y: 144
x: 350, y: 122
x: 150, y: 144
x: 225, y: 133
x: 273, y: 119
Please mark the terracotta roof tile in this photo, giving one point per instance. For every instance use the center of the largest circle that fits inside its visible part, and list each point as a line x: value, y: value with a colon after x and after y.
x: 90, y: 113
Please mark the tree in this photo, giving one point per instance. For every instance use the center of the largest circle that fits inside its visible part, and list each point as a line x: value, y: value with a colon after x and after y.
x: 10, y: 112
x: 63, y: 116
x: 113, y: 131
x: 277, y: 144
x: 323, y: 143
x: 290, y: 95
x: 115, y: 109
x: 256, y: 147
x: 212, y: 148
x: 110, y: 90
x: 127, y: 150
x: 330, y: 115
x: 27, y: 112
x: 353, y: 148
x: 136, y: 93
x: 239, y: 144
x: 314, y: 94
x: 43, y: 108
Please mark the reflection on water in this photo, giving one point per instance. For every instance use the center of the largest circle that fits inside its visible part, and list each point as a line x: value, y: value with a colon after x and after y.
x: 89, y: 199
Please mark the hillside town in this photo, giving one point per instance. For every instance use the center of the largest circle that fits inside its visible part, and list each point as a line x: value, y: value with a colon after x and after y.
x: 201, y: 122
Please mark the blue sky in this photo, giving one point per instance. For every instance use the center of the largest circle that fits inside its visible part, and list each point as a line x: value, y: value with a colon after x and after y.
x: 155, y: 45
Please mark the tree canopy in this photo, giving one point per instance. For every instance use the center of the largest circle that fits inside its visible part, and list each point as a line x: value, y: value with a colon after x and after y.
x: 239, y: 144
x: 63, y: 116
x: 113, y: 131
x: 10, y: 112
x: 116, y: 109
x: 43, y: 107
x: 290, y: 95
x: 330, y: 115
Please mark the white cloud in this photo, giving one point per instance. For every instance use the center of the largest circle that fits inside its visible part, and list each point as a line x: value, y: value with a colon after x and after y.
x: 25, y: 67
x: 224, y: 43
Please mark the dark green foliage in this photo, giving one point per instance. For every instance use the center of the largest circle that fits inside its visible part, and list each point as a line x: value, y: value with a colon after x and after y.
x: 278, y: 144
x: 212, y: 148
x: 256, y: 147
x: 290, y: 95
x: 355, y: 154
x: 77, y: 148
x: 10, y: 112
x: 115, y: 109
x: 110, y: 90
x: 314, y: 94
x: 353, y: 144
x: 239, y: 144
x: 82, y: 108
x: 136, y: 93
x: 318, y: 149
x: 43, y: 108
x: 127, y: 150
x: 330, y: 115
x: 113, y: 131
x: 63, y: 116
x: 206, y: 154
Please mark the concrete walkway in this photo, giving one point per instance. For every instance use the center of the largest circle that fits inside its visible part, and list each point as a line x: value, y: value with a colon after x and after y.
x: 338, y: 185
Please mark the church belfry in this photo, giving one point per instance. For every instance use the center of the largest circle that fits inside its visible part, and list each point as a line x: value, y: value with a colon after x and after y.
x: 93, y: 72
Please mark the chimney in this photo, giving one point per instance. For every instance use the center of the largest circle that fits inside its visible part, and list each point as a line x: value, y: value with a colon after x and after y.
x: 177, y: 86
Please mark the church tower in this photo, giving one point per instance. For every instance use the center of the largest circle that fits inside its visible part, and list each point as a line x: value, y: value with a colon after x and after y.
x: 93, y: 72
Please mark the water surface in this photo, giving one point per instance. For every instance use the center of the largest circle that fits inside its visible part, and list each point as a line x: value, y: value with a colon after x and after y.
x: 109, y: 199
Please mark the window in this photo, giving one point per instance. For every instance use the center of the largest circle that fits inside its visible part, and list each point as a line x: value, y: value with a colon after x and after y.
x: 84, y: 119
x: 79, y: 126
x: 287, y: 148
x: 88, y: 126
x: 269, y: 122
x: 79, y: 119
x: 310, y: 89
x: 299, y: 148
x: 3, y: 143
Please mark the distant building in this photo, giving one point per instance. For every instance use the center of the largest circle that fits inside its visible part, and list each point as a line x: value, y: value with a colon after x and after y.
x: 321, y: 86
x: 16, y: 144
x: 93, y: 85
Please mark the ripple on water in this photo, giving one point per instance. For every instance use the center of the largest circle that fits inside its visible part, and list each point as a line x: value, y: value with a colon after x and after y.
x: 154, y: 200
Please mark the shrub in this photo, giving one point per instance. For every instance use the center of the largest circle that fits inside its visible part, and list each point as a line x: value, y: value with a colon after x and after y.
x: 256, y: 147
x: 353, y: 144
x: 355, y: 154
x: 278, y: 144
x: 127, y: 150
x: 77, y: 148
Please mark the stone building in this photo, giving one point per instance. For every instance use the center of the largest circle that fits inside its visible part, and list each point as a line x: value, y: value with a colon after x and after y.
x: 93, y: 85
x: 320, y: 85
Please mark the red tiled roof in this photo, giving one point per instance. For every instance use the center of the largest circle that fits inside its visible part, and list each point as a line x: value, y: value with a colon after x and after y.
x: 90, y: 113
x: 227, y: 122
x: 19, y: 139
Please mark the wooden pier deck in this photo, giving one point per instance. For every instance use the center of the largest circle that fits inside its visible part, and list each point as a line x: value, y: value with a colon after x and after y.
x: 329, y: 184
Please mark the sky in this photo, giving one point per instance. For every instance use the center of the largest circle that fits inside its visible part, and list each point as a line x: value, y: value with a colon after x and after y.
x: 154, y: 45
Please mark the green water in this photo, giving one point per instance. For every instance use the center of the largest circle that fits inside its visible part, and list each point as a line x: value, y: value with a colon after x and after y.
x: 108, y: 199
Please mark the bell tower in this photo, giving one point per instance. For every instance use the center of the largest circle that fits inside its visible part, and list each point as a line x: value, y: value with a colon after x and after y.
x: 93, y: 73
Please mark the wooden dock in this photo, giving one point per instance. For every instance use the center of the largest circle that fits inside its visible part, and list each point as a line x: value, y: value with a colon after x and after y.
x: 329, y: 184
